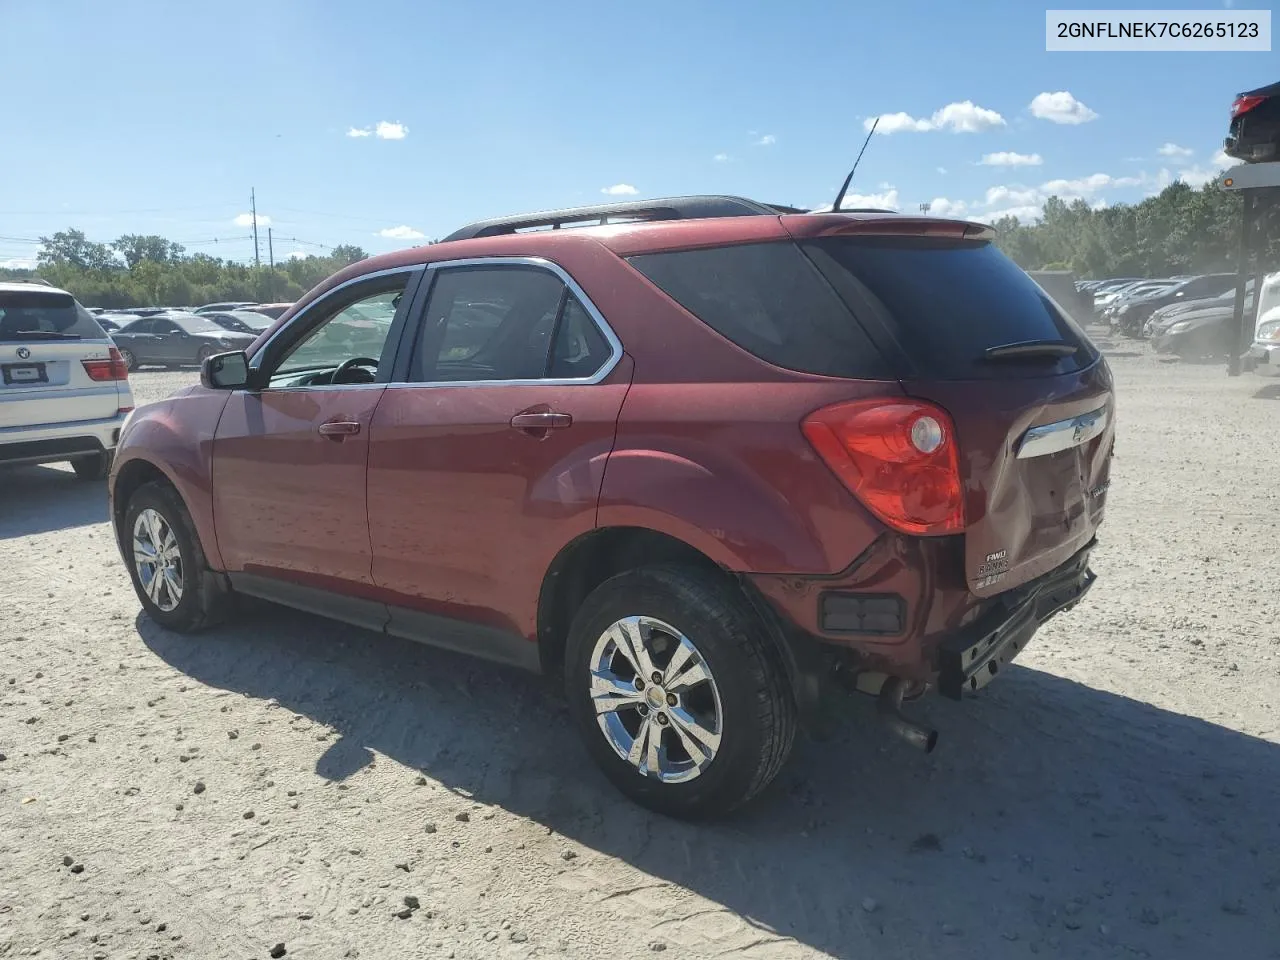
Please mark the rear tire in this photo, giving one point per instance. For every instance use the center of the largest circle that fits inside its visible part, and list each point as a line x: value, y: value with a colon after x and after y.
x: 94, y: 467
x: 168, y: 567
x: 203, y: 354
x: 719, y: 740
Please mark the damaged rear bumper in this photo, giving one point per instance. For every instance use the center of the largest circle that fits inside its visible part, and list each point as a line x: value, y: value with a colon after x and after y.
x: 973, y: 656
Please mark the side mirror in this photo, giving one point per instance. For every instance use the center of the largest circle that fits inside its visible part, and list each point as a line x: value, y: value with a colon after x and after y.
x: 225, y: 371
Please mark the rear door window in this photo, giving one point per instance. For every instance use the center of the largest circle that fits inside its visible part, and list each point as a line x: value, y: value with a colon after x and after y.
x: 946, y: 302
x: 768, y: 299
x: 36, y: 315
x: 503, y: 323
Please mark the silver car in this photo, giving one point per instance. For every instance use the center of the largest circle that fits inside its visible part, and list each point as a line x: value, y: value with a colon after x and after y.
x: 64, y: 388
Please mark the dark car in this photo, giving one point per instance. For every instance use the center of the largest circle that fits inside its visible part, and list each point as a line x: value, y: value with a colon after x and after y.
x: 224, y: 305
x: 1198, y: 334
x: 174, y: 339
x: 1132, y: 313
x: 240, y: 321
x: 273, y: 310
x: 708, y: 470
x: 1255, y: 125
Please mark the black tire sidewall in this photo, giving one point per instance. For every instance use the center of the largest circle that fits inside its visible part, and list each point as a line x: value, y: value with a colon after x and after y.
x: 94, y: 467
x: 717, y: 622
x: 189, y: 611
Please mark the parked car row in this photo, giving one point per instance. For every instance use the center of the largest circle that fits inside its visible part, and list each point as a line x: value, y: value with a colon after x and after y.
x: 1189, y: 316
x: 174, y: 336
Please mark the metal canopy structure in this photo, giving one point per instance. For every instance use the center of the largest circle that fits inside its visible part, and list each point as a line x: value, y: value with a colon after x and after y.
x: 1259, y: 187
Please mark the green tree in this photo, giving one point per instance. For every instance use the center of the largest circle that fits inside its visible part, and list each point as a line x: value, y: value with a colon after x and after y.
x: 71, y: 247
x: 136, y: 247
x: 348, y: 253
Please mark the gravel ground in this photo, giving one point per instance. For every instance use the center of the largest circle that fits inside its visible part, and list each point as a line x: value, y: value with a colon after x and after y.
x: 290, y: 787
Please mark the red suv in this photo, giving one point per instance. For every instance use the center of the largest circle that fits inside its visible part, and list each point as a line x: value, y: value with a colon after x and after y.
x: 708, y: 464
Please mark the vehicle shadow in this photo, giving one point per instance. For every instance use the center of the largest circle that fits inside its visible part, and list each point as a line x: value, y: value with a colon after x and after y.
x: 1054, y: 818
x: 1270, y: 392
x: 43, y: 499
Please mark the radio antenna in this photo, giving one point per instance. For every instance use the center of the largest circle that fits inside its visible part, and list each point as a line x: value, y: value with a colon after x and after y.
x: 835, y: 207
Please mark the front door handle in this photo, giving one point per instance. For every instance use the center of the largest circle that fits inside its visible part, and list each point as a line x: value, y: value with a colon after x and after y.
x: 338, y: 429
x: 541, y: 421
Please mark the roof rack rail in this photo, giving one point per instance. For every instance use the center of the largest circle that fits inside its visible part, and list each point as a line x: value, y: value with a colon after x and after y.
x: 40, y: 280
x: 672, y: 208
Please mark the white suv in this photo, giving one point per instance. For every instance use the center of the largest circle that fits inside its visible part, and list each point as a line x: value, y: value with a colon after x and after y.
x: 64, y: 389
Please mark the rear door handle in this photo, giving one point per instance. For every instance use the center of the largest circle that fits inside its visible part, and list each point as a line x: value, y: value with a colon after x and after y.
x: 541, y: 420
x: 338, y: 429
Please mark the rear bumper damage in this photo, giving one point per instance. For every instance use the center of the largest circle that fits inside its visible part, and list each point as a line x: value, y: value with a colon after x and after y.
x: 974, y: 655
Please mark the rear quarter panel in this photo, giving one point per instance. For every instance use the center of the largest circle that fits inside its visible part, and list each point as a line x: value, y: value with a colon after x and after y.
x: 725, y: 468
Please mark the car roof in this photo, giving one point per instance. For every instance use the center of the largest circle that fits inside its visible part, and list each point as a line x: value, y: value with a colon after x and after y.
x: 33, y: 286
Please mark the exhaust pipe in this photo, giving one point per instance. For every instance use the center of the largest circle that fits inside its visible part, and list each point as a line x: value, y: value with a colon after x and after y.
x: 889, y: 704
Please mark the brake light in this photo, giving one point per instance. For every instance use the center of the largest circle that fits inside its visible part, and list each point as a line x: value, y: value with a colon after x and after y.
x: 898, y: 456
x: 113, y: 368
x: 1243, y: 104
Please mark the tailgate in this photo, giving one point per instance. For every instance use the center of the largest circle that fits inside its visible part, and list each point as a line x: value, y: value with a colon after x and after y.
x: 44, y: 382
x: 1035, y: 458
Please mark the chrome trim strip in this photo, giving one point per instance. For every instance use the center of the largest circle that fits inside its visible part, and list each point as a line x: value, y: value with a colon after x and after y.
x: 324, y: 298
x: 615, y: 345
x: 1062, y: 435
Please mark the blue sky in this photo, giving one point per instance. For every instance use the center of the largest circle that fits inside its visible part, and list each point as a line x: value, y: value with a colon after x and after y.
x: 144, y: 117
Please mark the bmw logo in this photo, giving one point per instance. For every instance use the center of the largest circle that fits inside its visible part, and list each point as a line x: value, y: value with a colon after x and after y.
x: 24, y: 353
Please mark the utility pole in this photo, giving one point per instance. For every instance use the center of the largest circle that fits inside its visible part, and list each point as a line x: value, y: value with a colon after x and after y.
x: 253, y: 212
x: 924, y: 208
x: 271, y: 262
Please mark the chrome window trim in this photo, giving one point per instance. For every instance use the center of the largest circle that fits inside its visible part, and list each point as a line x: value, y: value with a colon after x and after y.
x: 324, y: 298
x: 1062, y: 435
x: 615, y: 345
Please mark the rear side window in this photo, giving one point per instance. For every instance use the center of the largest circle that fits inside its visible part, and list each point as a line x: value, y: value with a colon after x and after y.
x: 947, y: 302
x: 36, y: 315
x: 768, y: 299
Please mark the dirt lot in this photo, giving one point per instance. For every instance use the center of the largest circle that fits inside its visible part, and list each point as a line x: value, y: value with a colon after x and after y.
x: 289, y: 781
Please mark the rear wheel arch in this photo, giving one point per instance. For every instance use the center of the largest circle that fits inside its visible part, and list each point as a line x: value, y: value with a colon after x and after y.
x: 591, y: 559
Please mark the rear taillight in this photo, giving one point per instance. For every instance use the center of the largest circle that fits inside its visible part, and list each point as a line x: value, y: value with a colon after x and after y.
x: 898, y: 456
x: 1243, y: 104
x: 113, y: 368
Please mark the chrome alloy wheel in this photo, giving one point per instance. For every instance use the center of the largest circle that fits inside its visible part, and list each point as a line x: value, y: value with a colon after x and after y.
x: 655, y: 699
x: 157, y: 559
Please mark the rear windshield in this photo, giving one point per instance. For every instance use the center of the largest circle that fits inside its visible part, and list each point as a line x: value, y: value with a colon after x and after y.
x: 36, y: 315
x: 769, y: 299
x: 946, y: 302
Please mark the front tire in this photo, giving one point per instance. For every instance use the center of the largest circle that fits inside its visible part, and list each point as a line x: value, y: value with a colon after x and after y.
x: 94, y: 467
x: 678, y: 690
x: 170, y: 574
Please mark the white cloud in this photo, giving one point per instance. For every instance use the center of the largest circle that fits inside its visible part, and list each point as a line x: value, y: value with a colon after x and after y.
x: 1173, y: 150
x: 1013, y: 196
x: 1008, y: 158
x: 1061, y: 107
x: 359, y: 132
x: 962, y: 117
x: 246, y: 220
x: 721, y: 158
x: 887, y: 199
x: 18, y: 263
x: 401, y: 232
x: 1222, y: 161
x: 943, y: 171
x: 897, y: 123
x: 298, y: 254
x: 942, y: 207
x: 620, y: 190
x: 768, y: 140
x: 1086, y: 186
x: 386, y: 130
x: 1024, y: 213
